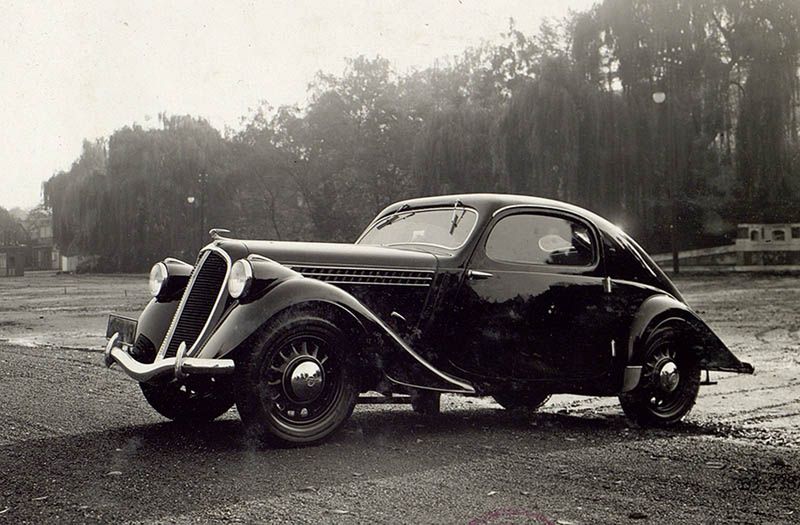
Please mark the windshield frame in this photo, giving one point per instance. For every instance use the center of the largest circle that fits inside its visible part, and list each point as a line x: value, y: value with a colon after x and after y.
x: 382, y: 218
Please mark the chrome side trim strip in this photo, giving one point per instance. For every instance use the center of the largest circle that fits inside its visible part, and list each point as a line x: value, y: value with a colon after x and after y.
x: 362, y: 276
x: 645, y: 287
x: 366, y: 268
x: 418, y: 387
x: 422, y: 278
x: 362, y: 283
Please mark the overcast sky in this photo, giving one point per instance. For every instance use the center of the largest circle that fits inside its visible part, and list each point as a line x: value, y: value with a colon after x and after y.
x: 81, y: 70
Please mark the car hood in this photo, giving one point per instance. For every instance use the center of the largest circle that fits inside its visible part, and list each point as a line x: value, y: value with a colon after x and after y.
x: 340, y: 254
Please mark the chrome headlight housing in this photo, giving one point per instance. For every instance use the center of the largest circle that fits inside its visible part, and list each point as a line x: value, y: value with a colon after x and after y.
x: 158, y: 278
x: 241, y: 279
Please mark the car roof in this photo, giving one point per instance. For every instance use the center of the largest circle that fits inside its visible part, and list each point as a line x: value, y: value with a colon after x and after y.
x: 489, y: 203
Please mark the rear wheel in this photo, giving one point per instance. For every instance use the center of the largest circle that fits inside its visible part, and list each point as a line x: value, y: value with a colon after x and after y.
x: 293, y: 386
x: 199, y: 402
x: 526, y: 400
x: 669, y: 383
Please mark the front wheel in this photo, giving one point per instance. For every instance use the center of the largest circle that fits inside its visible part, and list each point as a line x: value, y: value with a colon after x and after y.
x: 190, y: 403
x: 294, y: 386
x: 669, y: 383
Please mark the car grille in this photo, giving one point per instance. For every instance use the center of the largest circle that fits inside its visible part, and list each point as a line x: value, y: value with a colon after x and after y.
x: 343, y: 275
x: 198, y: 302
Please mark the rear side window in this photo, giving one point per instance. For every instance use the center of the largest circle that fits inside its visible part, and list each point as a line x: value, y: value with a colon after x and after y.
x: 541, y: 239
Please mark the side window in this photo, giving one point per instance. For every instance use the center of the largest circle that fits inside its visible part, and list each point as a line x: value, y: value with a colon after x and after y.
x: 541, y: 239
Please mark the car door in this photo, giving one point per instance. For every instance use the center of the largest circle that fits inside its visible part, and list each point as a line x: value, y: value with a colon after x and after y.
x: 533, y: 300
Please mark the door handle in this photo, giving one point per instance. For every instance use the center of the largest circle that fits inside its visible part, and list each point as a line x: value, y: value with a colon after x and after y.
x: 476, y: 275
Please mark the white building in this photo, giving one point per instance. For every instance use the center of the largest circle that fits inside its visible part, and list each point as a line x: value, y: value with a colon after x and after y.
x: 758, y: 247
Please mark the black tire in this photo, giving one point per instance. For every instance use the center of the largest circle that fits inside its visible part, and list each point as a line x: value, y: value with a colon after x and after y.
x: 525, y: 400
x: 293, y: 386
x: 426, y: 402
x: 657, y: 402
x: 184, y: 403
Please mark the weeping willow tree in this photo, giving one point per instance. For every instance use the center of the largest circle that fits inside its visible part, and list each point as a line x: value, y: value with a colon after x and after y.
x: 124, y: 200
x: 765, y: 39
x: 73, y: 197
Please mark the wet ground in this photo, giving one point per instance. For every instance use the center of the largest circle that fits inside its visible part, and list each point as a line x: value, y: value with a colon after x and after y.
x: 79, y: 444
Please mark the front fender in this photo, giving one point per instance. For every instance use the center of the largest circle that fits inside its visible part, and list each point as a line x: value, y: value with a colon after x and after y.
x: 280, y: 288
x: 246, y: 318
x: 710, y: 350
x: 153, y: 324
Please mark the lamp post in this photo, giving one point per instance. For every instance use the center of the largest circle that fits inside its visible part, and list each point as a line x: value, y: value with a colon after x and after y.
x: 191, y: 200
x: 200, y: 204
x: 660, y: 97
x: 202, y: 179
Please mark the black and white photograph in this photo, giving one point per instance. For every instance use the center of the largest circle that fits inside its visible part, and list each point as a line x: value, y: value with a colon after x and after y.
x: 352, y: 262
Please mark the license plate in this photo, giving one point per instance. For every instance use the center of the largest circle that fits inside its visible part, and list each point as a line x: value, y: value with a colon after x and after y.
x: 124, y: 326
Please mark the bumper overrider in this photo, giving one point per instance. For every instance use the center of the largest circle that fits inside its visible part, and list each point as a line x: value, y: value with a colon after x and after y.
x: 178, y: 367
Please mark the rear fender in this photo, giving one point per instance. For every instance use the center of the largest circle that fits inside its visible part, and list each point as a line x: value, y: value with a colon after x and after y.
x: 278, y: 288
x: 659, y: 310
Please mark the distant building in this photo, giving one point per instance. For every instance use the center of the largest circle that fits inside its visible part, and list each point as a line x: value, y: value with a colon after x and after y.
x: 42, y: 253
x: 758, y: 247
x: 12, y: 261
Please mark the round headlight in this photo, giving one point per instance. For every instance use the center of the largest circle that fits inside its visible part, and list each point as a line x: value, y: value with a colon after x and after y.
x: 241, y: 278
x: 158, y: 276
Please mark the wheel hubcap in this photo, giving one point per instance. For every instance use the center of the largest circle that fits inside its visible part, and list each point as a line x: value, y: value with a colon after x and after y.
x: 305, y: 379
x: 668, y: 376
x: 665, y: 386
x: 302, y: 381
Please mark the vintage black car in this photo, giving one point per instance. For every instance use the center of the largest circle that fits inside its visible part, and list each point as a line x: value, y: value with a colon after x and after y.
x: 483, y: 295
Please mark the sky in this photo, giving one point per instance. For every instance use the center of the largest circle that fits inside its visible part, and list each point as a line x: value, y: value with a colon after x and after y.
x: 75, y: 71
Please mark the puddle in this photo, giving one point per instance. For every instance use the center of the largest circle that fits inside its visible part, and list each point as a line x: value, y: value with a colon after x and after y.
x: 27, y: 342
x: 84, y: 342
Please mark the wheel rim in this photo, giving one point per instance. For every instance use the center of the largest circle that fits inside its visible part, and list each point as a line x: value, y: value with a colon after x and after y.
x: 665, y: 384
x: 303, y: 382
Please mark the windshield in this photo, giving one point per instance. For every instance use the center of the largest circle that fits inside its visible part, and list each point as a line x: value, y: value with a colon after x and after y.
x: 442, y: 227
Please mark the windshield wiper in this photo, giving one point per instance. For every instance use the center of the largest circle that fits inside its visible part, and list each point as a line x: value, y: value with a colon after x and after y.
x: 395, y: 216
x: 456, y: 219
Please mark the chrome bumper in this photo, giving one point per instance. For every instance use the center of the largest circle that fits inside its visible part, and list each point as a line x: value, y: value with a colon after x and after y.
x: 178, y: 367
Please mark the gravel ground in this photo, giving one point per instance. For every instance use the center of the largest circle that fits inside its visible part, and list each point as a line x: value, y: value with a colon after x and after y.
x: 79, y: 443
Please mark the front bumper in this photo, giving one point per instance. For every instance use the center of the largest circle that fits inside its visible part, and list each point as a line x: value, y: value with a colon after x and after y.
x: 178, y: 367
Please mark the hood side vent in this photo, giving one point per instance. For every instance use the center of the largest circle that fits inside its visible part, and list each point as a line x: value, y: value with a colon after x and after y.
x: 366, y: 276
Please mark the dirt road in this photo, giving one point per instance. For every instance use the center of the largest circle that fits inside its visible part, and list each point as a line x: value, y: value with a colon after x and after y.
x: 79, y: 444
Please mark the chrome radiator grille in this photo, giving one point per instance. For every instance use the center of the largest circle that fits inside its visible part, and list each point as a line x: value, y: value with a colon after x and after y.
x: 199, y: 300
